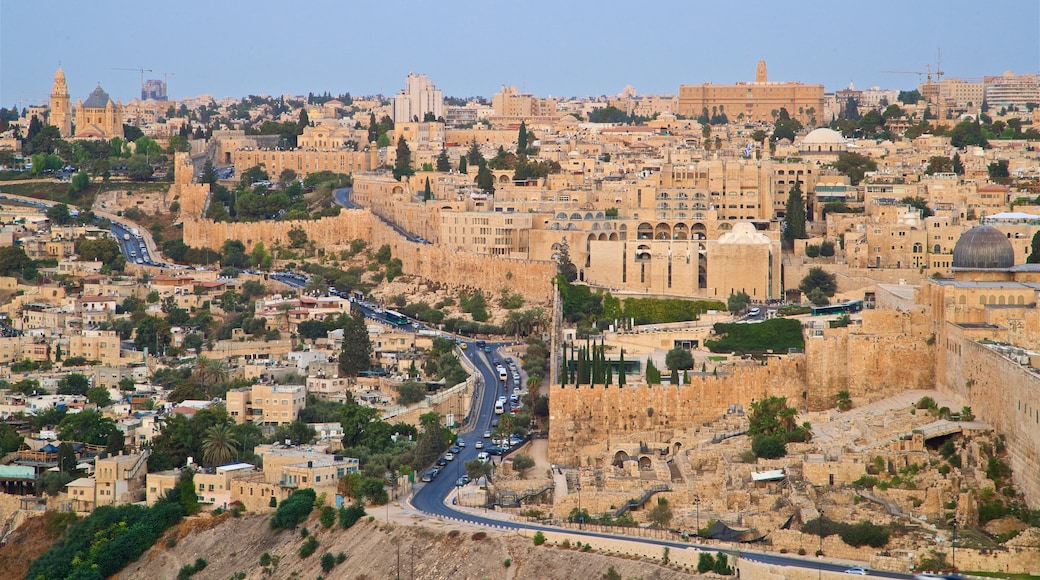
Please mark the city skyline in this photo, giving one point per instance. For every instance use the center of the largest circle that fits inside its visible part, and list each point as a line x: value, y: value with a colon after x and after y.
x: 226, y: 52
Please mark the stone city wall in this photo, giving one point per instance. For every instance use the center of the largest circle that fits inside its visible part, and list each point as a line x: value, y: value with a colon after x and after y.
x: 432, y: 262
x: 591, y: 415
x: 1006, y: 395
x: 888, y: 354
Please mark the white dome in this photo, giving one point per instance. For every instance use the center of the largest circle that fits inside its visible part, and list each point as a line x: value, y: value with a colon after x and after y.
x: 743, y: 233
x: 823, y: 136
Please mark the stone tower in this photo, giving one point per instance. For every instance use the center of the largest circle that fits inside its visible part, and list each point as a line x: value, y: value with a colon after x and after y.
x: 61, y: 105
x: 760, y: 72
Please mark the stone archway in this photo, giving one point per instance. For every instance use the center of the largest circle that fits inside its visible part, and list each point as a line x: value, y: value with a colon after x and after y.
x: 620, y: 458
x: 645, y: 463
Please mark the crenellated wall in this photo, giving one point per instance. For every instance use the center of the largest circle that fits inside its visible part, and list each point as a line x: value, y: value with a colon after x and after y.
x: 1005, y: 394
x: 586, y: 415
x: 490, y: 274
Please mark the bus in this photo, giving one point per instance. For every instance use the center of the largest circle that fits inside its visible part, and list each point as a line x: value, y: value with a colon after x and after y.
x: 396, y: 318
x: 499, y: 407
x: 843, y: 308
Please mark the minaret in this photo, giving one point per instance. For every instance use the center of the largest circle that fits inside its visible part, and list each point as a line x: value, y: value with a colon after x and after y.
x: 760, y: 72
x: 61, y: 105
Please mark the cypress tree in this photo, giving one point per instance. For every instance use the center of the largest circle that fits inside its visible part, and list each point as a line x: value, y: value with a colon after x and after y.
x: 462, y: 165
x: 521, y: 139
x: 795, y: 215
x: 610, y: 374
x: 427, y: 192
x: 443, y: 163
x: 621, y: 369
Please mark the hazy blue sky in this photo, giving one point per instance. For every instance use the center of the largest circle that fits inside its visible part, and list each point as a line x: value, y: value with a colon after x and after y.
x: 468, y: 47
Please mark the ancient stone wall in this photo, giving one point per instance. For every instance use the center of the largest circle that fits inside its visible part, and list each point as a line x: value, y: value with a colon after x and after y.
x: 1006, y: 395
x: 429, y: 261
x: 888, y: 354
x: 591, y: 415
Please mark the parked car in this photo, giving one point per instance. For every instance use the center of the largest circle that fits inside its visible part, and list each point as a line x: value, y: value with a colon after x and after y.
x: 856, y: 571
x: 479, y: 444
x: 449, y: 456
x: 442, y: 461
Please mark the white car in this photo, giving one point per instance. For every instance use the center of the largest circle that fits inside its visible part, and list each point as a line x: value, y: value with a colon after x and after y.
x: 857, y: 571
x: 479, y: 444
x: 449, y: 456
x: 483, y: 456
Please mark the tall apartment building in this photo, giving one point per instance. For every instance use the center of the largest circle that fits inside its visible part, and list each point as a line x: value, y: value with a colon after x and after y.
x: 418, y: 98
x: 757, y: 101
x: 509, y: 102
x: 153, y: 89
x: 266, y: 404
x: 1010, y: 89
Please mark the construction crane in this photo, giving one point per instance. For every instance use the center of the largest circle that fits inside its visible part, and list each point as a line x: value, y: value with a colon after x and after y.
x: 139, y: 69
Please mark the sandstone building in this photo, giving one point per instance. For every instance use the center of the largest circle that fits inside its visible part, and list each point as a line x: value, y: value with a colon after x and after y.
x: 757, y: 101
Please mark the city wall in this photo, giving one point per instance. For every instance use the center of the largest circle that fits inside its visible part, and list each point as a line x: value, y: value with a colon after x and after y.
x: 432, y: 262
x: 888, y: 354
x: 584, y: 416
x: 1006, y: 395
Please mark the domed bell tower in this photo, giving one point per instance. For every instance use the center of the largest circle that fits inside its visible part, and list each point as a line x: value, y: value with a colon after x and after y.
x: 61, y: 105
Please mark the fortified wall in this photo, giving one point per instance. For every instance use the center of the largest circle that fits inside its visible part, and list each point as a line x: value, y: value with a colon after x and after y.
x: 1006, y: 394
x: 584, y: 419
x: 489, y: 274
x: 886, y: 355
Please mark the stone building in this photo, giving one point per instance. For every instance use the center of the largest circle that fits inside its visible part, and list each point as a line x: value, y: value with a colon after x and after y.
x: 757, y: 101
x: 98, y: 117
x: 418, y: 98
x: 61, y: 105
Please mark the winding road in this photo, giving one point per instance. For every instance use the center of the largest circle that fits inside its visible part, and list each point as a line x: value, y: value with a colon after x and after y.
x: 431, y: 497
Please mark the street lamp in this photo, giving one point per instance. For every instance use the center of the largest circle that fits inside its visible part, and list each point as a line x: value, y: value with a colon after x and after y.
x: 697, y: 502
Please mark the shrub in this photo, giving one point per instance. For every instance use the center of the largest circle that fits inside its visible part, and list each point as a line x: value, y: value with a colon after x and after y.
x: 705, y: 563
x: 348, y: 516
x: 539, y: 538
x: 328, y: 562
x: 294, y: 509
x: 341, y: 557
x: 310, y: 545
x: 812, y: 251
x: 864, y: 534
x: 507, y: 562
x: 827, y: 249
x: 328, y: 517
x: 265, y: 559
x: 769, y: 446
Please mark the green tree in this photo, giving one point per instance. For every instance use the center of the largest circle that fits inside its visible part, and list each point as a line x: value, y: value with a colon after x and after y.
x: 678, y: 358
x: 854, y: 165
x: 427, y: 192
x: 522, y: 462
x: 463, y: 169
x: 819, y: 278
x: 737, y: 302
x: 1034, y: 254
x: 87, y: 426
x: 661, y: 514
x: 13, y: 260
x: 957, y: 165
x: 473, y: 155
x: 297, y: 237
x: 769, y: 446
x: 653, y: 376
x: 998, y: 171
x: 919, y: 203
x: 139, y: 169
x: 521, y: 139
x: 153, y: 333
x: 73, y: 384
x: 794, y: 218
x: 59, y: 214
x: 410, y: 392
x: 80, y: 182
x: 356, y: 355
x: 10, y: 439
x: 403, y: 164
x: 219, y: 445
x: 443, y: 163
x: 99, y: 396
x: 939, y: 164
x: 485, y: 179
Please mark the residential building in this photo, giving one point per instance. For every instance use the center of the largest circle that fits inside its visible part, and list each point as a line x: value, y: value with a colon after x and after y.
x: 266, y: 404
x: 418, y: 99
x: 757, y: 101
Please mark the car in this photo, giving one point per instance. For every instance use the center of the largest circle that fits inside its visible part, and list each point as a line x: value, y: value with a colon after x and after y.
x: 455, y: 449
x: 435, y: 471
x: 427, y: 477
x: 495, y: 450
x: 460, y: 443
x: 487, y: 349
x: 487, y: 434
x: 460, y: 482
x: 494, y: 422
x: 449, y: 456
x: 483, y: 456
x: 442, y: 461
x: 514, y: 441
x: 756, y: 312
x: 463, y: 346
x: 926, y: 576
x: 857, y: 571
x: 479, y: 445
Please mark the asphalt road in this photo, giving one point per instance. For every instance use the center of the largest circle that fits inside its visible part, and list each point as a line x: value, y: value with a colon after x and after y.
x: 430, y: 497
x: 342, y: 197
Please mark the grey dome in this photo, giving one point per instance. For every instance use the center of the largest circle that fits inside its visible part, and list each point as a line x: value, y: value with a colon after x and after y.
x: 983, y: 247
x: 97, y: 99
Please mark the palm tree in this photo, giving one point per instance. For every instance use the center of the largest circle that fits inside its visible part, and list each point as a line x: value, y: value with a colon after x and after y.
x: 219, y: 445
x: 210, y: 371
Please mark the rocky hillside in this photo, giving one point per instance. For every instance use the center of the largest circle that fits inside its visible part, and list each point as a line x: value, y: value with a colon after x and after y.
x: 235, y: 548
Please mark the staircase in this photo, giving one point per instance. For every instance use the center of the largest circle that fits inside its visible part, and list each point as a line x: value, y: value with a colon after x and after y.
x: 633, y: 504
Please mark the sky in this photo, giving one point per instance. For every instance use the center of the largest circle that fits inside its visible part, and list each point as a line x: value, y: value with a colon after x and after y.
x: 467, y: 48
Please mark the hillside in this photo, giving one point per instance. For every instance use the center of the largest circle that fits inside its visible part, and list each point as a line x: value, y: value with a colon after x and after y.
x: 232, y: 548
